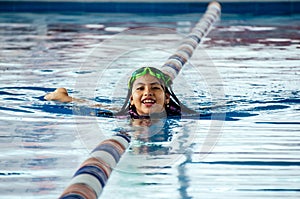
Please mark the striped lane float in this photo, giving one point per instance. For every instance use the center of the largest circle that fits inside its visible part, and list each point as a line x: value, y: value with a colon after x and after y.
x: 185, y: 50
x: 92, y: 175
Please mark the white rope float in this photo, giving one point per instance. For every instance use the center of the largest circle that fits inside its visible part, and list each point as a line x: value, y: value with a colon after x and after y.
x: 185, y: 51
x: 92, y: 175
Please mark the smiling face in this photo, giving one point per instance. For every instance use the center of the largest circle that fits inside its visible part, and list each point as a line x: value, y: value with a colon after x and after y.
x: 148, y: 95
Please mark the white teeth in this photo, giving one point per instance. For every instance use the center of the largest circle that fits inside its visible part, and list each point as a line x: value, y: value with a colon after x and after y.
x: 148, y: 101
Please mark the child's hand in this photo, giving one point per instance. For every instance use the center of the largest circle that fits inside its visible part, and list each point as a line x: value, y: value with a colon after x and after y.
x: 59, y: 94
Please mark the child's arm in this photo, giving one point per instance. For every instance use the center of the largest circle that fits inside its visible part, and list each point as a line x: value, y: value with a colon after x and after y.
x: 61, y: 95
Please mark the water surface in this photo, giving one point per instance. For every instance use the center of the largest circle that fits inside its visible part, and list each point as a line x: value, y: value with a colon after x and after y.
x: 246, y: 74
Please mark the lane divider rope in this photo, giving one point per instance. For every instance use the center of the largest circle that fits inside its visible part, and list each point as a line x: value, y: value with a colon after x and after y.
x: 92, y: 175
x: 189, y: 44
x: 89, y: 180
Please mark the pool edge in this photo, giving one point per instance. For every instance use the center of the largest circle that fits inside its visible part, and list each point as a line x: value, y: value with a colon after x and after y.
x: 228, y: 7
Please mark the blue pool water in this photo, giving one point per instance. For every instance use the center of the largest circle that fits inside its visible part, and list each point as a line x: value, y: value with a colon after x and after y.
x: 243, y: 81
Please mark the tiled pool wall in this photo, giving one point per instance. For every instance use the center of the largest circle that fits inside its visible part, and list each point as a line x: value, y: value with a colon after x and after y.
x: 273, y: 7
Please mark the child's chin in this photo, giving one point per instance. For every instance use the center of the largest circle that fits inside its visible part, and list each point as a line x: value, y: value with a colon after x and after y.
x: 152, y: 110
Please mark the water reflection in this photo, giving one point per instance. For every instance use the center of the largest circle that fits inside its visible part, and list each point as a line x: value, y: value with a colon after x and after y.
x: 151, y: 130
x: 149, y: 136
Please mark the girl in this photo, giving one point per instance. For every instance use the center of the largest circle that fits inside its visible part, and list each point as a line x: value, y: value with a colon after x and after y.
x: 149, y: 93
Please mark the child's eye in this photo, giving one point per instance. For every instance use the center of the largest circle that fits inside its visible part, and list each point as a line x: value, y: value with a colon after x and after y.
x: 156, y: 88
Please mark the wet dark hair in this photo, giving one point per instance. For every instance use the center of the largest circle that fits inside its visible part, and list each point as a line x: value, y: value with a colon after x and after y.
x: 173, y: 109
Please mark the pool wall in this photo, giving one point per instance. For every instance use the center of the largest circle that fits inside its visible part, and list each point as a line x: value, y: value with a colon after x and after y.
x: 269, y: 7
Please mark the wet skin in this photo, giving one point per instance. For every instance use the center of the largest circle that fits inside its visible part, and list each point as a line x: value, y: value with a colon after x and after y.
x: 148, y: 95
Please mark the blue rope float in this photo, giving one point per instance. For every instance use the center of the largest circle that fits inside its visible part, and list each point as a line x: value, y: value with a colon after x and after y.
x: 89, y: 180
x: 92, y: 175
x: 185, y: 51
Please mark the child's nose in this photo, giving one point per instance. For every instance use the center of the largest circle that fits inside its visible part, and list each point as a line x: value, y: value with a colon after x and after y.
x: 148, y: 91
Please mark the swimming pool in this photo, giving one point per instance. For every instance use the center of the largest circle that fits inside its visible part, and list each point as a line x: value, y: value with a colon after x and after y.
x: 257, y: 65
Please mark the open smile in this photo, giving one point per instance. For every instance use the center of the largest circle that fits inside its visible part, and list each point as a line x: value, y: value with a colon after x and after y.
x: 148, y: 102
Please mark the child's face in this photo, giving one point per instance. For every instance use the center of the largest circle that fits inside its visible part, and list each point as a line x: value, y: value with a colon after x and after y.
x: 148, y: 96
